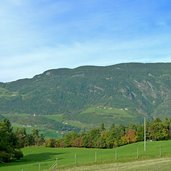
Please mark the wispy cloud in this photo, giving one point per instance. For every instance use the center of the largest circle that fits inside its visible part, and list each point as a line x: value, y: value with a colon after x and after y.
x: 86, y: 53
x: 43, y: 34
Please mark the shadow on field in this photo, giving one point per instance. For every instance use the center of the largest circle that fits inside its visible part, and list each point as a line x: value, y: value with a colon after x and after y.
x: 35, y: 158
x: 47, y: 156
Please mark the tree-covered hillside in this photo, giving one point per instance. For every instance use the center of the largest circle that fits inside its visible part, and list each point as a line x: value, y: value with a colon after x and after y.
x: 112, y: 93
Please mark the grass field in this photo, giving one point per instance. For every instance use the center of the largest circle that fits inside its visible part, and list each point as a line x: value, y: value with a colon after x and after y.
x: 41, y: 158
x: 92, y: 116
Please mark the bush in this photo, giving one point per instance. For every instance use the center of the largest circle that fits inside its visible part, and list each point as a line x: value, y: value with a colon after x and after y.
x: 4, y: 157
x: 18, y: 154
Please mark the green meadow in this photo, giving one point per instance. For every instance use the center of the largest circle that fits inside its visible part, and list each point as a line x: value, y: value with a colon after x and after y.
x: 43, y: 159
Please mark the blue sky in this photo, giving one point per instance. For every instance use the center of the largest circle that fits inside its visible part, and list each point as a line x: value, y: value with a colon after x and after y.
x: 37, y: 35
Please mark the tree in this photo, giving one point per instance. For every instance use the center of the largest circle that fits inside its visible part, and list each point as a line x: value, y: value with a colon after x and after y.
x: 22, y: 137
x: 130, y: 136
x: 8, y: 143
x: 102, y: 127
x: 140, y: 132
x: 157, y: 130
x: 90, y: 138
x: 50, y: 142
x: 38, y: 139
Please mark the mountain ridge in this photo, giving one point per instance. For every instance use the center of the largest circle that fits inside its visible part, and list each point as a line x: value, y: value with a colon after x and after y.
x: 115, y: 93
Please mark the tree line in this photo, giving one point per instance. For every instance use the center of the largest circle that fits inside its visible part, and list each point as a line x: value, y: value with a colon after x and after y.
x: 116, y: 135
x: 11, y: 141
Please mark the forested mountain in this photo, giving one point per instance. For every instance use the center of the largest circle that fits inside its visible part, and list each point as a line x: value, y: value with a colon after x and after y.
x: 91, y: 94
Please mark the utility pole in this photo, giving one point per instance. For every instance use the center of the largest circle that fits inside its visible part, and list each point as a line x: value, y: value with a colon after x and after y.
x: 145, y: 138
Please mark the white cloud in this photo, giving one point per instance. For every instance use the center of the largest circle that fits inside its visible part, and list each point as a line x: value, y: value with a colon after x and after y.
x: 99, y: 52
x: 39, y: 35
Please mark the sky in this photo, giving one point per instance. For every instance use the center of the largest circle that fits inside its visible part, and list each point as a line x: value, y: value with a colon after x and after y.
x: 38, y: 35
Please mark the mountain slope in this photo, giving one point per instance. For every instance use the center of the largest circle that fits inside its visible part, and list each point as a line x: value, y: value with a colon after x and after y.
x: 110, y: 94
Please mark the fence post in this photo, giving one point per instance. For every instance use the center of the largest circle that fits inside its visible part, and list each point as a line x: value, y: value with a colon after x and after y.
x: 137, y: 153
x: 75, y: 159
x: 95, y: 157
x: 116, y: 155
x: 56, y: 164
x: 39, y: 166
x: 160, y: 150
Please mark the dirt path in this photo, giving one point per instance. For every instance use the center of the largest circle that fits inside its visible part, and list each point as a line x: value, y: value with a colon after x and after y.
x: 161, y: 164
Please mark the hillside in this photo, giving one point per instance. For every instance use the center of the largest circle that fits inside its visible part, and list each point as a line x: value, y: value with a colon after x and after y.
x: 126, y: 158
x: 89, y: 95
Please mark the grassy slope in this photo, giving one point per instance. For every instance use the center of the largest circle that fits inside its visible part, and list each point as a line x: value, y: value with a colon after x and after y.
x: 48, y: 126
x: 92, y: 116
x: 66, y: 157
x: 89, y: 118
